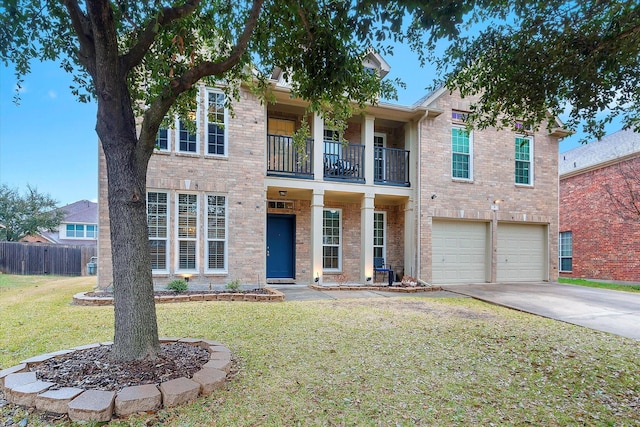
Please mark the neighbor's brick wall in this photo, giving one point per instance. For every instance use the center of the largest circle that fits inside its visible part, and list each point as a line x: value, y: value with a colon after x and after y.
x: 605, y: 244
x: 493, y: 178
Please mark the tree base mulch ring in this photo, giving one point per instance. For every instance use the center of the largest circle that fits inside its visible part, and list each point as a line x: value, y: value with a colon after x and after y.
x: 265, y: 294
x: 86, y: 384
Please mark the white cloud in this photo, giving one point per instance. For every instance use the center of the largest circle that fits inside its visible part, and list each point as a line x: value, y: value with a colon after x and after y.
x: 52, y: 94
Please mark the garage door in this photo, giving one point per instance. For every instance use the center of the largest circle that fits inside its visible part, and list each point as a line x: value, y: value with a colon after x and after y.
x: 459, y: 250
x: 522, y: 253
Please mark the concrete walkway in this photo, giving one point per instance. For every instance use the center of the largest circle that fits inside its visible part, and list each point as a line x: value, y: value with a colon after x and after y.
x: 605, y: 310
x: 305, y: 293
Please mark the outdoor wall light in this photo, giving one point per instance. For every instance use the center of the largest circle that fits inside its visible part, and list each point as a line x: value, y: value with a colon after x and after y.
x: 186, y: 278
x: 497, y: 201
x: 433, y: 196
x: 317, y: 279
x: 368, y: 279
x: 283, y: 193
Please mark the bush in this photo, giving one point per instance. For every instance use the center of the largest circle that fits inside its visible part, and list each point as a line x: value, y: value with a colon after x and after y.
x: 178, y: 285
x: 233, y: 285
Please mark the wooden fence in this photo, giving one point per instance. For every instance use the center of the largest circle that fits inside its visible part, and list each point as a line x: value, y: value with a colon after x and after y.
x: 39, y: 258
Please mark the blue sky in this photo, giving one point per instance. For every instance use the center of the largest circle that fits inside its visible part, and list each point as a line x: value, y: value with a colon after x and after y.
x: 49, y: 140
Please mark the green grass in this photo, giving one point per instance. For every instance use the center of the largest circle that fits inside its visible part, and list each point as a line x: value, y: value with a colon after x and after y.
x: 601, y: 285
x: 380, y: 361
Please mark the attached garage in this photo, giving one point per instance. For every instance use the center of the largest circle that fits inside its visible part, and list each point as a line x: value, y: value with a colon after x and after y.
x: 522, y: 252
x: 459, y: 251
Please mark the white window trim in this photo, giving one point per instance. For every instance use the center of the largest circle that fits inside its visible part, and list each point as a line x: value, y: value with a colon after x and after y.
x: 560, y: 257
x: 384, y: 233
x: 209, y: 90
x: 531, y: 159
x: 224, y: 270
x: 176, y: 135
x: 455, y: 178
x: 178, y: 239
x: 169, y: 138
x: 168, y: 238
x: 339, y: 269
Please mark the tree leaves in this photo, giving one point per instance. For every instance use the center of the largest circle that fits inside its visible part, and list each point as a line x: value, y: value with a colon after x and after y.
x: 28, y: 214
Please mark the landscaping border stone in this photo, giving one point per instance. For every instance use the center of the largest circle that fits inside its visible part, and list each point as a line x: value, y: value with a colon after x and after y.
x: 272, y: 295
x: 21, y: 387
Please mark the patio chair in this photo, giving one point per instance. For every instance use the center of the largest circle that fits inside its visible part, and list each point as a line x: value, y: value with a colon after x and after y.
x: 380, y: 267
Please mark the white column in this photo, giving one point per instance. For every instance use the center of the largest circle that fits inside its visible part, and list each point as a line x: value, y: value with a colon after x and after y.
x: 366, y: 231
x: 317, y: 132
x: 367, y: 140
x: 317, y: 206
x: 410, y: 233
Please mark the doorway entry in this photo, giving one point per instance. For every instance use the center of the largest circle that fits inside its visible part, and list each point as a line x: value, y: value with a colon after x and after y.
x: 281, y: 246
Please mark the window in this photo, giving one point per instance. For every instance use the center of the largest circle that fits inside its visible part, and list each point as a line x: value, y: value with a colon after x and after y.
x: 379, y: 235
x: 216, y: 124
x: 157, y: 225
x: 81, y: 231
x: 187, y: 231
x: 379, y: 144
x: 331, y: 240
x: 188, y: 141
x: 216, y: 232
x: 565, y: 251
x: 461, y: 149
x: 162, y: 139
x: 524, y: 172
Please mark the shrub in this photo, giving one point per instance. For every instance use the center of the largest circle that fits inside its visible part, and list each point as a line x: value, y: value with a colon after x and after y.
x: 233, y: 285
x: 178, y: 285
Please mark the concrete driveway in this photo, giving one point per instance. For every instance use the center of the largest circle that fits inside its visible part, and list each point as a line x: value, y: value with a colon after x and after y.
x: 615, y: 312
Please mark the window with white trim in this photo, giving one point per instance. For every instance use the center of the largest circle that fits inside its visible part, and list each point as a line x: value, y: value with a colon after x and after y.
x: 565, y: 251
x: 216, y: 232
x: 162, y: 139
x: 461, y: 153
x: 524, y: 160
x: 379, y: 234
x: 158, y: 227
x: 187, y: 141
x: 331, y: 240
x: 81, y: 231
x: 216, y: 123
x: 187, y: 235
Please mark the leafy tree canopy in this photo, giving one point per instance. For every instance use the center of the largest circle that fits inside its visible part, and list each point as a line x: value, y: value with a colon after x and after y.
x: 551, y: 56
x: 26, y: 214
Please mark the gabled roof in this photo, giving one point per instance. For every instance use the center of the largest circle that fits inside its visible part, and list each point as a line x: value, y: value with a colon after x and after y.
x: 82, y: 211
x: 610, y: 149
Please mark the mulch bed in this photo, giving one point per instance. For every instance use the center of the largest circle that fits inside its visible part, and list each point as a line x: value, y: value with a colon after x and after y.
x: 94, y: 369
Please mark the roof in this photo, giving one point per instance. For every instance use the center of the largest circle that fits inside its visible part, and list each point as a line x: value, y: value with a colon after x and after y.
x: 610, y: 149
x: 82, y: 211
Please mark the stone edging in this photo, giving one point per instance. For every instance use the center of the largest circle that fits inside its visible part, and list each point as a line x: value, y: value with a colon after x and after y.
x: 272, y: 295
x: 400, y: 289
x: 21, y: 387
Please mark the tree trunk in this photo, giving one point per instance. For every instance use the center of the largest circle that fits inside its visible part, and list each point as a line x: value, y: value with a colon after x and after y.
x: 136, y: 330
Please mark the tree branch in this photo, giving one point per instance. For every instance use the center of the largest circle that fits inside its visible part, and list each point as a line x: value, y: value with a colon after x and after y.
x: 80, y: 22
x: 146, y: 39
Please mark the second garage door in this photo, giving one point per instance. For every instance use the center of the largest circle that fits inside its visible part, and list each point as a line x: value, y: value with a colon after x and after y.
x: 522, y: 253
x: 459, y: 251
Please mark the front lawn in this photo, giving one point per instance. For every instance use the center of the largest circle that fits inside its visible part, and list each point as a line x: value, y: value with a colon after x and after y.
x: 380, y: 361
x: 601, y: 285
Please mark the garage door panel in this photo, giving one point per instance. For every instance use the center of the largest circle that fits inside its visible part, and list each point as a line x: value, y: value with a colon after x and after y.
x: 521, y: 252
x: 459, y: 251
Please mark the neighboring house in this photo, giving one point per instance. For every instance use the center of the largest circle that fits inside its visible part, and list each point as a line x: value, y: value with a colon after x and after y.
x: 237, y: 200
x: 79, y: 227
x: 599, y: 234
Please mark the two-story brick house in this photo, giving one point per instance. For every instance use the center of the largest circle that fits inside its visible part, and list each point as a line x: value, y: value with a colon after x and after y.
x: 237, y: 200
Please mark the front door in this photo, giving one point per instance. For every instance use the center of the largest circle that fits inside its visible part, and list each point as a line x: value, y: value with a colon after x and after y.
x: 281, y: 252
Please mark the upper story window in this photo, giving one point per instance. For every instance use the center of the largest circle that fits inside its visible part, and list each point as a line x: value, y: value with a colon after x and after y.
x: 162, y: 139
x: 459, y: 116
x: 524, y: 160
x: 81, y: 231
x: 216, y: 123
x: 187, y: 141
x: 461, y: 153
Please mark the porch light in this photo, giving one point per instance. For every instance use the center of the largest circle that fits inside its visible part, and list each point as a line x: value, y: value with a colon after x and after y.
x: 369, y: 279
x: 317, y: 279
x: 186, y: 278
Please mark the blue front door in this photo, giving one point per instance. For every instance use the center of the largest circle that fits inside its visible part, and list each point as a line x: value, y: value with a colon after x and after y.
x: 281, y: 253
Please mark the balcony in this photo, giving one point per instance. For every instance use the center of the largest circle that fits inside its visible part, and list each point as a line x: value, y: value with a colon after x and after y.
x: 342, y: 162
x: 285, y: 159
x: 391, y: 166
